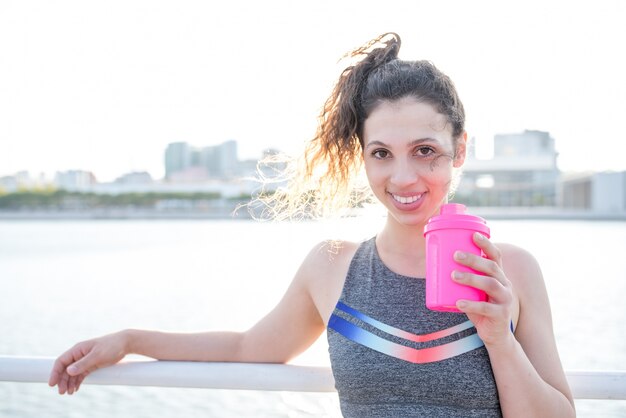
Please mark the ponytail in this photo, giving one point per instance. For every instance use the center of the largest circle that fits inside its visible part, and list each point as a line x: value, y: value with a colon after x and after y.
x: 343, y: 114
x: 327, y: 181
x: 337, y: 145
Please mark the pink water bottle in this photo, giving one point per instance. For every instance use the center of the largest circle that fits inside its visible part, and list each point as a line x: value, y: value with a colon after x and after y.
x: 446, y: 233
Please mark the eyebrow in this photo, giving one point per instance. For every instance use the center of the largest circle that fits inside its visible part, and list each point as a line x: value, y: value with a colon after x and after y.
x: 410, y: 144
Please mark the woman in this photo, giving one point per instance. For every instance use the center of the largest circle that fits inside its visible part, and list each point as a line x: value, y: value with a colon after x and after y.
x: 404, y: 123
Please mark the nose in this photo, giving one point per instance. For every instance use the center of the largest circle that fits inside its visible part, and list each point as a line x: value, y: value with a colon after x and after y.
x: 404, y: 173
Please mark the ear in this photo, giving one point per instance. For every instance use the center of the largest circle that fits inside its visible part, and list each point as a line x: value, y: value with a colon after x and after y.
x: 461, y: 150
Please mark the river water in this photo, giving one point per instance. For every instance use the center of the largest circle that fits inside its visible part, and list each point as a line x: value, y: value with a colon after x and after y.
x: 64, y: 281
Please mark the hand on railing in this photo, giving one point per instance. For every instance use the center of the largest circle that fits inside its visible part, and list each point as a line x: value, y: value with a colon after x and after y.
x: 71, y: 367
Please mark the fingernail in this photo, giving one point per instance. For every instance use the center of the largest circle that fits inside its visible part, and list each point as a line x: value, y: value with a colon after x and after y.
x: 72, y: 369
x: 461, y: 304
x: 479, y: 236
x: 457, y: 275
x: 459, y: 255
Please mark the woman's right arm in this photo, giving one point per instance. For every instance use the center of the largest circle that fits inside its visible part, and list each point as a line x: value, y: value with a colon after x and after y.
x: 291, y: 327
x: 71, y: 367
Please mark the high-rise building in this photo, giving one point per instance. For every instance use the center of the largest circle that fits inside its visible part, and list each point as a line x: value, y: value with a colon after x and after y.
x: 183, y: 161
x: 227, y: 161
x: 74, y: 180
x: 177, y: 158
x: 522, y: 172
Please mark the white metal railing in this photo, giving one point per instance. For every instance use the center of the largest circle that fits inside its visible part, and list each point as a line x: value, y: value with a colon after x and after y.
x: 256, y: 376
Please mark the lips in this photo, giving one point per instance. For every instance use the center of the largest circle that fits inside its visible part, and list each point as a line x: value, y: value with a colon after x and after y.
x: 406, y: 200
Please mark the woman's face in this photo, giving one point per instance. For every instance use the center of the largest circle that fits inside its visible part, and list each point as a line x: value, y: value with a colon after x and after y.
x: 409, y: 155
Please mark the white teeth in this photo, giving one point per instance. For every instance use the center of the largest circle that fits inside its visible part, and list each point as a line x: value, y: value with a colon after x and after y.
x: 406, y: 200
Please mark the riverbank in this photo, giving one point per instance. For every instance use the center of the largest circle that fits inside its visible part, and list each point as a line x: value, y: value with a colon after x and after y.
x: 129, y: 214
x: 546, y: 213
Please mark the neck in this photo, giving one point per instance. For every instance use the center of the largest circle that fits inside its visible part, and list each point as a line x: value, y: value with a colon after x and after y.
x: 407, y: 240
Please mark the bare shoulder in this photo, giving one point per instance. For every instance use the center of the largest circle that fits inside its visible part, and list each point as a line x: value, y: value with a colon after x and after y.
x: 524, y: 273
x: 520, y: 267
x: 326, y: 256
x: 324, y: 271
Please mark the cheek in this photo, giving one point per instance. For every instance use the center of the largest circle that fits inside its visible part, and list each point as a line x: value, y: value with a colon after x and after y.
x: 371, y: 172
x: 444, y: 181
x: 440, y: 178
x: 376, y: 178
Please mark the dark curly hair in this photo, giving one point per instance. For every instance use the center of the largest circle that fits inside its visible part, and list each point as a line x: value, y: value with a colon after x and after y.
x: 324, y: 182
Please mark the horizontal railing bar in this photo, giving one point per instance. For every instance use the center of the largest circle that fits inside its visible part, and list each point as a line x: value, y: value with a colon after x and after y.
x: 189, y: 374
x: 585, y: 384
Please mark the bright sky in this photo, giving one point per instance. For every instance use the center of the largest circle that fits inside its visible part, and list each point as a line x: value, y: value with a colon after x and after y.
x: 106, y: 85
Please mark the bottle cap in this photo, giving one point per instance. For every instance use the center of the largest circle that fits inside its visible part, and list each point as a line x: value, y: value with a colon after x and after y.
x: 452, y: 208
x: 455, y: 216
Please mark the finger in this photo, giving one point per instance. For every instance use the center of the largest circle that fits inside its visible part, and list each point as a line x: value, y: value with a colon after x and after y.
x: 480, y: 264
x: 85, y: 365
x: 59, y: 366
x: 65, y: 360
x: 479, y: 308
x: 489, y: 248
x: 63, y: 383
x: 80, y: 381
x: 494, y: 288
x: 476, y: 310
x: 71, y: 384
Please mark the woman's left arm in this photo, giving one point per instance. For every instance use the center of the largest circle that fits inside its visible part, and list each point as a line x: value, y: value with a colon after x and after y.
x: 526, y: 365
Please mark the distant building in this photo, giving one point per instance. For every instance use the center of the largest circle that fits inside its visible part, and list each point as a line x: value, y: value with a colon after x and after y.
x: 248, y: 168
x: 226, y: 189
x: 194, y: 174
x: 177, y: 158
x: 226, y: 163
x: 8, y: 184
x: 135, y: 177
x: 184, y: 162
x: 74, y: 180
x: 23, y: 180
x: 598, y: 192
x: 522, y: 172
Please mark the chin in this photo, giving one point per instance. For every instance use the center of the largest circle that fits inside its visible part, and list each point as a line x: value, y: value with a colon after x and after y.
x: 409, y: 219
x: 413, y: 218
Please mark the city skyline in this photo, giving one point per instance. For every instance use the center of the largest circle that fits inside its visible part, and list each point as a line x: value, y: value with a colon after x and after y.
x: 531, y: 151
x: 75, y: 94
x: 231, y: 156
x: 521, y: 173
x: 222, y: 156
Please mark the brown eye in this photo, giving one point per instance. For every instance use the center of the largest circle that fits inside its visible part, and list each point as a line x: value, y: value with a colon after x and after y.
x: 380, y: 154
x: 424, y: 151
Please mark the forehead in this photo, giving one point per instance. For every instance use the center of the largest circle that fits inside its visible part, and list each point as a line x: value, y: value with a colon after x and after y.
x: 406, y: 119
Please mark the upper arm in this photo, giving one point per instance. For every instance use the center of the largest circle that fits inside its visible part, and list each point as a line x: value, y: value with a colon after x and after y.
x: 298, y: 319
x: 534, y: 329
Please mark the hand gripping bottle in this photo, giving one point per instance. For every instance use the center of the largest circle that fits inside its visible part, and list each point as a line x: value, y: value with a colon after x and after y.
x: 446, y: 233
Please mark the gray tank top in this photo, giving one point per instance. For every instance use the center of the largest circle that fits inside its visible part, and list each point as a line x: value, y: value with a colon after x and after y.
x: 393, y: 357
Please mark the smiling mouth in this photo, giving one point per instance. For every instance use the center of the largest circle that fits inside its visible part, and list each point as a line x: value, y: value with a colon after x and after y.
x: 405, y: 200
